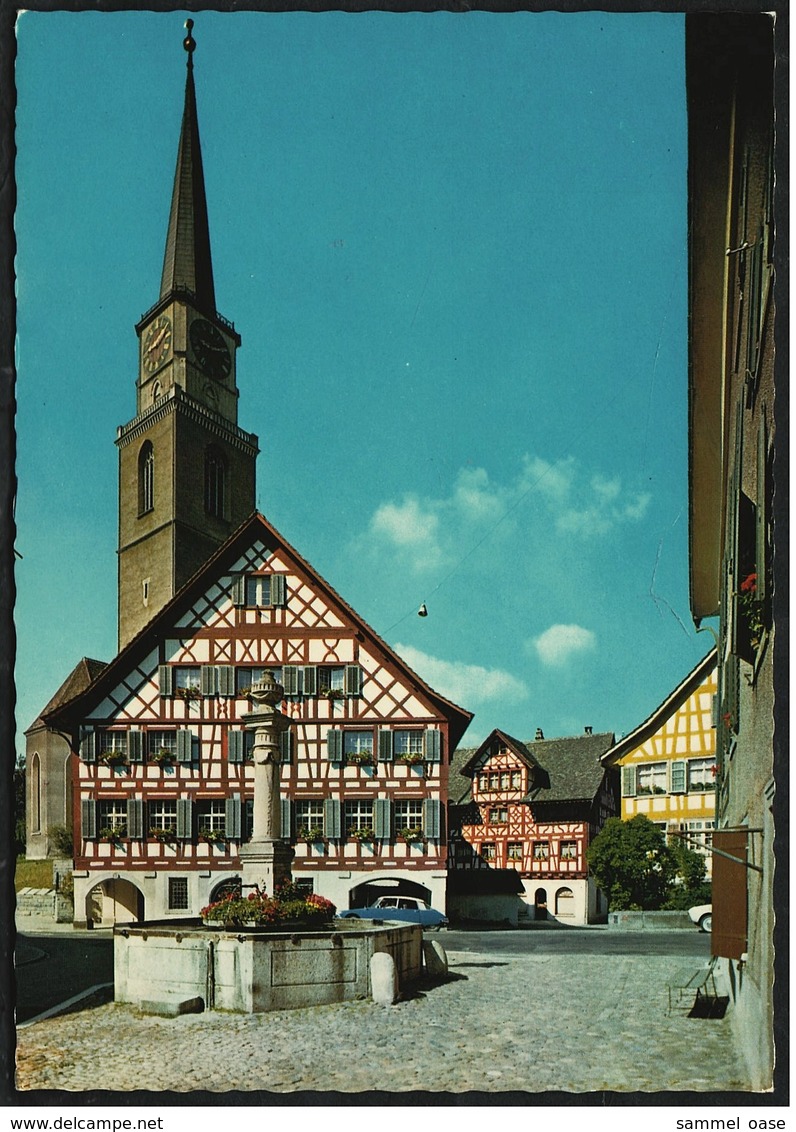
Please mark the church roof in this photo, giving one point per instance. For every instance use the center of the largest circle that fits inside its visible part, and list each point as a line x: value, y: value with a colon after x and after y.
x: 79, y: 679
x: 187, y: 264
x: 670, y: 705
x: 162, y: 624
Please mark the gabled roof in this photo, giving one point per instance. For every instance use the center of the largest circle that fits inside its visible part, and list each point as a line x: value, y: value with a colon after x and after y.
x: 514, y: 745
x: 163, y: 623
x: 573, y: 765
x: 79, y: 679
x: 568, y: 769
x: 669, y: 706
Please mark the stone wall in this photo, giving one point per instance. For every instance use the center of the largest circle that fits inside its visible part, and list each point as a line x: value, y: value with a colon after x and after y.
x: 650, y: 921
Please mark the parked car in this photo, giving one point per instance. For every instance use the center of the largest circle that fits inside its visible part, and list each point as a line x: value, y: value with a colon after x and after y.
x: 406, y: 908
x: 702, y: 916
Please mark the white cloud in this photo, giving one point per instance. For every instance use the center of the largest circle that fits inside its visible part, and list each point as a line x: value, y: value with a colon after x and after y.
x: 557, y: 645
x: 411, y: 527
x: 465, y: 684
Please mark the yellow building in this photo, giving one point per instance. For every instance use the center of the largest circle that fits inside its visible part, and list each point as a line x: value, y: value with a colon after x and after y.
x: 668, y: 763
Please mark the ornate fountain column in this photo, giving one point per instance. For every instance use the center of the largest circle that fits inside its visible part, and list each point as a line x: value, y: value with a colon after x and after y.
x: 265, y: 860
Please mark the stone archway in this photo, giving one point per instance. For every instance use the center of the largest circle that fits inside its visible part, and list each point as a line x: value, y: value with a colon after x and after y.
x: 112, y: 901
x: 540, y: 904
x: 365, y: 894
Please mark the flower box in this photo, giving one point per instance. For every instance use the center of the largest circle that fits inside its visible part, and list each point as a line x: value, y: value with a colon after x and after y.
x: 113, y: 758
x: 113, y: 835
x: 311, y: 834
x: 288, y: 910
x: 411, y: 760
x: 164, y: 757
x: 212, y: 836
x: 412, y: 834
x: 163, y: 835
x: 362, y: 834
x: 360, y: 758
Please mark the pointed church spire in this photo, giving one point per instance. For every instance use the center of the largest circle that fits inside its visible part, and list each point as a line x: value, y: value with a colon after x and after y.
x: 187, y: 265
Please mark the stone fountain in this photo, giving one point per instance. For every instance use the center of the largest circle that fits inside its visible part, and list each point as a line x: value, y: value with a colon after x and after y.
x: 175, y: 967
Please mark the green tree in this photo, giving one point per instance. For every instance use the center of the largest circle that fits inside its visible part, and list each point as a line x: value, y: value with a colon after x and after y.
x: 632, y: 864
x: 692, y: 887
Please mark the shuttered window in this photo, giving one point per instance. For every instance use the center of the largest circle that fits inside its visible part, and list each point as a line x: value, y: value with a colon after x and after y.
x: 382, y: 818
x: 208, y: 680
x: 353, y: 680
x: 184, y: 827
x: 433, y: 745
x: 135, y: 746
x: 233, y: 817
x: 628, y: 781
x: 88, y: 818
x: 678, y: 782
x: 385, y: 745
x: 165, y: 680
x: 332, y: 823
x: 290, y: 679
x: 286, y: 745
x: 184, y: 746
x: 334, y: 747
x: 239, y: 745
x: 310, y: 677
x: 286, y: 816
x: 135, y: 818
x: 88, y: 745
x: 432, y: 818
x: 226, y: 680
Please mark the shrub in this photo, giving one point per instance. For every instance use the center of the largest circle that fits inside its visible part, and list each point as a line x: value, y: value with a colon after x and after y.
x: 61, y: 840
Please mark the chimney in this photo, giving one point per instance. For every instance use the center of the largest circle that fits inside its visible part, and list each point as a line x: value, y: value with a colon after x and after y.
x: 588, y: 730
x: 539, y: 734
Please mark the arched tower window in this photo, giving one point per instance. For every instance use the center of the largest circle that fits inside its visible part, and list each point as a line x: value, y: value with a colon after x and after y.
x: 35, y: 793
x: 146, y: 478
x: 215, y: 482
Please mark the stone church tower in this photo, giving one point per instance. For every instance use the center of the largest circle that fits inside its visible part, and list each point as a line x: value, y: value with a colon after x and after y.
x: 186, y: 470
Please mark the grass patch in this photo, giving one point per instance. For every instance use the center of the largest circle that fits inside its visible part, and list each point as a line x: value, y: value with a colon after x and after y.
x: 33, y: 874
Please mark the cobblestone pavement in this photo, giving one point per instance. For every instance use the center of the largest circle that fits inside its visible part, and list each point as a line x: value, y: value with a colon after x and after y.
x: 533, y: 1023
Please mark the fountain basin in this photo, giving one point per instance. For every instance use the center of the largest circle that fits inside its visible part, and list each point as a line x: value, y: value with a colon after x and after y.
x: 161, y: 967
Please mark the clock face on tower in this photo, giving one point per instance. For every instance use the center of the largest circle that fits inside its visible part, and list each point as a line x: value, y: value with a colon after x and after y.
x: 210, y: 349
x: 156, y: 343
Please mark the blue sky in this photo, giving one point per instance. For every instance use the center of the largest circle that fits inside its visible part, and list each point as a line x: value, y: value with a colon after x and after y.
x: 454, y: 247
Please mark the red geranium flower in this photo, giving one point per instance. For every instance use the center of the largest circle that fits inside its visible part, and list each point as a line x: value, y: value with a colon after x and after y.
x: 749, y: 584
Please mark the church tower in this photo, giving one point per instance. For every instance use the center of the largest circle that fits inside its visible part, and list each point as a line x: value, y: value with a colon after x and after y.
x: 186, y: 470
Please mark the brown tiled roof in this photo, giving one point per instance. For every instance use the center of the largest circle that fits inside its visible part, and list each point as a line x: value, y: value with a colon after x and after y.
x: 572, y: 765
x: 79, y: 679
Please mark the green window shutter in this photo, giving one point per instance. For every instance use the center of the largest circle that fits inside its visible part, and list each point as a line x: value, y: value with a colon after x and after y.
x: 226, y: 680
x: 236, y: 746
x: 334, y: 747
x: 135, y: 818
x: 135, y: 746
x: 88, y: 745
x: 628, y: 782
x: 184, y: 745
x: 310, y: 679
x: 385, y: 745
x: 166, y: 679
x: 353, y: 680
x: 432, y: 823
x: 278, y: 589
x: 286, y: 745
x: 382, y: 818
x: 332, y: 824
x: 432, y: 743
x: 88, y: 818
x: 207, y: 680
x: 233, y: 814
x: 184, y: 818
x: 239, y: 589
x: 286, y: 831
x: 290, y: 679
x: 761, y: 512
x: 677, y: 782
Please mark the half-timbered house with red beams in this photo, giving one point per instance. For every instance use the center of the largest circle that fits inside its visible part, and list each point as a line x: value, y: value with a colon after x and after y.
x: 531, y: 808
x: 159, y: 781
x: 164, y: 781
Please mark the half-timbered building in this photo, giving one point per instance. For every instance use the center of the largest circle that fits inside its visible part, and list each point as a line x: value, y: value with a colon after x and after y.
x: 532, y: 807
x: 158, y: 780
x: 164, y: 781
x: 668, y: 762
